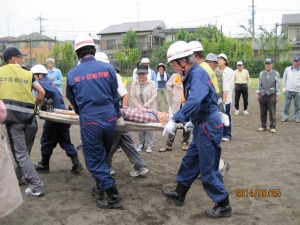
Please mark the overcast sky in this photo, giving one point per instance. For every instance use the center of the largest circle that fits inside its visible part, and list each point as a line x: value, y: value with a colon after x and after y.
x: 67, y: 19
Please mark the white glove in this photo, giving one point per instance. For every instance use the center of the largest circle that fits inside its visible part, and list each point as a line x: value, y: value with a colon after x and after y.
x: 120, y: 122
x: 188, y: 127
x: 225, y: 119
x: 170, y: 128
x: 283, y: 90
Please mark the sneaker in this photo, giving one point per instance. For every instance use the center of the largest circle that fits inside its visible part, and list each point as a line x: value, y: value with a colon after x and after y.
x: 79, y: 147
x: 167, y: 148
x: 136, y: 173
x: 246, y: 113
x: 225, y: 139
x: 283, y: 120
x: 29, y: 191
x: 149, y: 150
x: 273, y: 130
x: 185, y: 146
x: 112, y: 171
x: 237, y: 112
x: 140, y: 148
x: 261, y: 129
x: 297, y: 121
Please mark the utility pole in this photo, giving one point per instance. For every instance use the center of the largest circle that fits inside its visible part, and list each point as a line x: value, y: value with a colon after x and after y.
x: 40, y: 18
x: 8, y: 24
x: 253, y: 13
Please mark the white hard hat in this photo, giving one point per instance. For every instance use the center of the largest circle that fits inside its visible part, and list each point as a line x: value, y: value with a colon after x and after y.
x: 145, y: 60
x: 101, y: 56
x: 222, y: 55
x: 83, y: 40
x: 196, y: 46
x: 178, y: 50
x: 39, y: 68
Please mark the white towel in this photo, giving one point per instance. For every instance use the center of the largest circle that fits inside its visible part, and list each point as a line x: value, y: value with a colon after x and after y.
x: 158, y: 76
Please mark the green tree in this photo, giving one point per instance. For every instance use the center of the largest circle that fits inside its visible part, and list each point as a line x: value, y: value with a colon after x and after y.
x: 64, y: 56
x: 127, y: 59
x: 130, y: 39
x: 160, y: 56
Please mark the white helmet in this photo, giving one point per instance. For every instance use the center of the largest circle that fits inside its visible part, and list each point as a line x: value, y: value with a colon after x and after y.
x: 196, y: 46
x: 83, y: 40
x: 39, y: 69
x: 222, y: 55
x: 178, y: 50
x: 101, y: 56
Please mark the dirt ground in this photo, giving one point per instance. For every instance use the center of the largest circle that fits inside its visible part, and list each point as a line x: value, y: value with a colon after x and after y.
x: 260, y: 160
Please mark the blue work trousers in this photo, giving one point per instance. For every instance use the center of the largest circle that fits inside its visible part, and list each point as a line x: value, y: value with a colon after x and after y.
x: 97, y: 138
x: 53, y: 134
x: 202, y: 157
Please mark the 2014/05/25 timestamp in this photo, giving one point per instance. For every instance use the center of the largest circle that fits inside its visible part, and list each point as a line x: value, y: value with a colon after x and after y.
x: 264, y: 193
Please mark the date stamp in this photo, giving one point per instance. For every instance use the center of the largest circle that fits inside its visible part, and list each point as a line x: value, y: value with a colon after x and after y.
x: 261, y: 193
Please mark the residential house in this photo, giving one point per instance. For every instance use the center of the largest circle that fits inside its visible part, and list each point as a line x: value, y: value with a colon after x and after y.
x: 38, y: 47
x: 149, y: 36
x: 3, y: 45
x: 291, y: 25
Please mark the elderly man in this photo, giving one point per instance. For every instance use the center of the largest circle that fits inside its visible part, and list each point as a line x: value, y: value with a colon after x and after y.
x: 241, y: 81
x: 291, y: 88
x: 267, y: 94
x: 54, y: 74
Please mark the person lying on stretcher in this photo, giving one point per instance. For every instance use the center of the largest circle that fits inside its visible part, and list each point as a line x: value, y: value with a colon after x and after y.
x: 143, y: 115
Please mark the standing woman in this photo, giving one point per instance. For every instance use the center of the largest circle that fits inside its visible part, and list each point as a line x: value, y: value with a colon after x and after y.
x: 143, y: 94
x: 163, y: 96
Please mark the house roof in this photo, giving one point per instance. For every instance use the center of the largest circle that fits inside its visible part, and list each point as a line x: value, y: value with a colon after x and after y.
x: 7, y: 38
x: 288, y: 19
x: 33, y: 37
x: 135, y: 26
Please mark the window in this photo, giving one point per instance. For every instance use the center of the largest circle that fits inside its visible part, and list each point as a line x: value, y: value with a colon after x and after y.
x: 49, y: 47
x: 156, y: 40
x: 110, y: 44
x: 35, y: 44
x: 294, y: 34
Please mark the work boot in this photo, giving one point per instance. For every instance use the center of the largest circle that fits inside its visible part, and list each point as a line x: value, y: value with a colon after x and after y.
x: 42, y: 166
x: 221, y: 209
x: 177, y: 195
x: 113, y: 200
x: 76, y: 165
x: 97, y: 192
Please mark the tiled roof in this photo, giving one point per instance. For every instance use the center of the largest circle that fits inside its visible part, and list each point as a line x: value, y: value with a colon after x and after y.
x: 291, y: 19
x: 33, y: 37
x: 135, y: 26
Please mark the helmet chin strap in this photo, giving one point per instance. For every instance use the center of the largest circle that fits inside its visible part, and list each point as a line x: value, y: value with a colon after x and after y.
x: 183, y: 67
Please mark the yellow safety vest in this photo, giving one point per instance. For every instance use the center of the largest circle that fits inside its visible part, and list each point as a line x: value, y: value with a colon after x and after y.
x: 15, y: 91
x: 212, y: 75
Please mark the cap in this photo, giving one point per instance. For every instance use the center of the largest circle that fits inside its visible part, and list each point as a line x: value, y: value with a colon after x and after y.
x: 101, y: 56
x: 239, y: 63
x: 268, y: 61
x: 297, y: 58
x: 115, y: 63
x: 142, y: 69
x: 12, y: 51
x: 161, y: 64
x: 211, y: 57
x: 222, y: 55
x: 145, y: 60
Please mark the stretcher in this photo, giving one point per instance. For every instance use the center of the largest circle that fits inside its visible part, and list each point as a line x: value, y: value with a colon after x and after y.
x: 70, y: 117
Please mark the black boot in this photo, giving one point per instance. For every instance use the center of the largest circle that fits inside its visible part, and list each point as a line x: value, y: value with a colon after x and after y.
x: 76, y: 164
x: 113, y: 200
x: 42, y: 166
x: 177, y: 195
x: 221, y: 209
x: 97, y: 192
